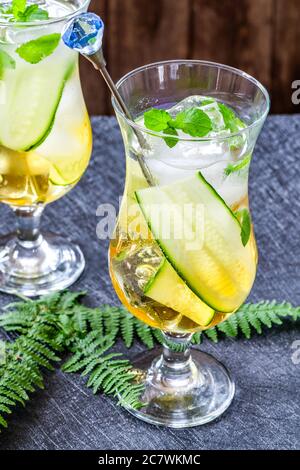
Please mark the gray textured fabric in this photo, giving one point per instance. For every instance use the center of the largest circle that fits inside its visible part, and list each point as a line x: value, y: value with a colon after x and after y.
x: 266, y: 411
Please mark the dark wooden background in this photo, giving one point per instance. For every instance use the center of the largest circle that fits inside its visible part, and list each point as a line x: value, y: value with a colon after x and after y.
x: 261, y: 37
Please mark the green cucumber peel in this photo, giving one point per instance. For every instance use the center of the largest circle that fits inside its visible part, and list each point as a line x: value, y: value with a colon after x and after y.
x: 160, y: 243
x: 69, y: 73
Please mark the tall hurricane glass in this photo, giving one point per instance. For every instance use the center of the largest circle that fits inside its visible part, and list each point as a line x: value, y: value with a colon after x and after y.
x: 45, y: 142
x: 183, y: 257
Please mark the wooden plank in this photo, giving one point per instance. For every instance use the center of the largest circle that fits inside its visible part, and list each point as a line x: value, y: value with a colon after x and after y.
x: 237, y: 33
x: 258, y: 36
x: 286, y: 60
x: 144, y: 31
x: 95, y: 91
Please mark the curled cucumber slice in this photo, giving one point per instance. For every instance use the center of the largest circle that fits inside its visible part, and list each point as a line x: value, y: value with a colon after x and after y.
x: 32, y: 96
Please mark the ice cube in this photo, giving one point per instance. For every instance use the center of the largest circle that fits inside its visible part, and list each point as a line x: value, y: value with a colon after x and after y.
x: 186, y: 154
x: 234, y: 189
x: 206, y: 104
x: 165, y: 174
x: 211, y: 157
x: 194, y: 101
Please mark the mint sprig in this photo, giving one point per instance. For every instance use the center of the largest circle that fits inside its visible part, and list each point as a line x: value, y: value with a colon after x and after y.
x: 33, y: 51
x: 23, y: 14
x: 38, y: 49
x: 230, y: 119
x: 18, y: 7
x: 157, y: 120
x: 33, y: 13
x: 193, y: 122
x: 171, y: 141
x: 244, y: 219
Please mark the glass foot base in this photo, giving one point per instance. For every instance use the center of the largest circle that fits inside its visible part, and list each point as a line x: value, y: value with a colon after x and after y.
x: 205, y: 394
x: 52, y: 265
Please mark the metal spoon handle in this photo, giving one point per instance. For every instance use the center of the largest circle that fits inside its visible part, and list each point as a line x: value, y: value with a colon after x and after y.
x: 98, y: 60
x: 99, y: 63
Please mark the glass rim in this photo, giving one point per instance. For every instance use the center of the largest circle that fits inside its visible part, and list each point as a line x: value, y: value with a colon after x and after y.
x: 31, y: 24
x: 245, y: 75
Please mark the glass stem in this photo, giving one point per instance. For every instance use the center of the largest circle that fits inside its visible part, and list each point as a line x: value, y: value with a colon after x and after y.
x: 176, y: 365
x: 28, y: 221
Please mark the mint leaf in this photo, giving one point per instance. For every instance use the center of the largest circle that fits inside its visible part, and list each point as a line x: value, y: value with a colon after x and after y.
x: 171, y: 141
x: 37, y: 50
x: 24, y: 14
x: 230, y: 119
x: 18, y: 6
x: 157, y: 119
x: 194, y: 122
x: 33, y: 13
x: 244, y: 219
x: 234, y: 167
x: 6, y: 62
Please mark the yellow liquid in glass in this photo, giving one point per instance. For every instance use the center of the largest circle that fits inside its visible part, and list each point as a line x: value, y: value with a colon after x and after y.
x: 134, y: 260
x: 52, y: 169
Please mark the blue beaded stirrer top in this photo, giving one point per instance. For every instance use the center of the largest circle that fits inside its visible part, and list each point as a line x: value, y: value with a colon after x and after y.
x: 84, y: 33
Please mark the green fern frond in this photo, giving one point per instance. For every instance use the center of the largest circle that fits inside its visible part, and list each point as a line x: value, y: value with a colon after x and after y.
x: 158, y: 336
x: 212, y: 334
x: 244, y: 324
x: 116, y: 379
x: 96, y: 320
x: 5, y: 409
x: 65, y: 300
x: 60, y: 322
x: 144, y: 333
x: 127, y: 323
x: 3, y: 422
x: 6, y: 401
x: 31, y: 352
x: 86, y: 350
x: 197, y: 338
x: 254, y: 317
x: 111, y: 320
x: 229, y: 327
x: 12, y: 395
x: 295, y: 313
x: 80, y: 317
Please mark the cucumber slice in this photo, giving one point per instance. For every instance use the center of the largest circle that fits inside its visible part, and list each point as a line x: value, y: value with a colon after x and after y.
x: 167, y: 288
x: 33, y: 94
x: 216, y: 266
x: 57, y: 176
x: 68, y: 147
x: 68, y: 167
